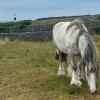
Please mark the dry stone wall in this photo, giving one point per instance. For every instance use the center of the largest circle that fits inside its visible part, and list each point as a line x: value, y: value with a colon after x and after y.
x: 41, y: 32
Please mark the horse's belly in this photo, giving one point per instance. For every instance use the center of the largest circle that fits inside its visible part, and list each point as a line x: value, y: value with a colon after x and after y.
x: 62, y: 48
x: 61, y: 44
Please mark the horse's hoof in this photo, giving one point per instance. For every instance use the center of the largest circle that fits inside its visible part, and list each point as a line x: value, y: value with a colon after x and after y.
x: 61, y: 73
x: 77, y: 83
x: 93, y: 92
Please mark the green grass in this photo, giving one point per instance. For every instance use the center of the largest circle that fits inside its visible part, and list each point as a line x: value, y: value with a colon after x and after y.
x: 28, y: 72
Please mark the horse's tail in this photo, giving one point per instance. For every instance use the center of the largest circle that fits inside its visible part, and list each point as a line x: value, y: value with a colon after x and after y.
x: 88, y: 54
x: 79, y: 24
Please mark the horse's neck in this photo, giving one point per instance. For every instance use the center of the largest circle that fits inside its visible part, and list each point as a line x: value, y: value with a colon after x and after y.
x: 74, y: 32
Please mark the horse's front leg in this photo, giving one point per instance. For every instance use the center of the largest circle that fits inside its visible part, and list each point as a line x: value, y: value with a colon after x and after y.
x: 75, y: 77
x: 69, y: 68
x: 61, y: 70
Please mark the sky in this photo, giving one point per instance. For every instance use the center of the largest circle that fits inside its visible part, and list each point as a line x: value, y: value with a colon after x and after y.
x: 34, y: 9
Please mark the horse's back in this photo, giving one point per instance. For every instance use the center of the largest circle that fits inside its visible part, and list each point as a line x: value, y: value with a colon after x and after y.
x: 60, y: 27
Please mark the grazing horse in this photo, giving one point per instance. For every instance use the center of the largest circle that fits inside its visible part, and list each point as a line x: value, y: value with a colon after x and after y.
x: 72, y: 39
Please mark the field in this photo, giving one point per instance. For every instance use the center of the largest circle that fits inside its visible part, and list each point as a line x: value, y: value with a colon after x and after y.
x: 28, y: 72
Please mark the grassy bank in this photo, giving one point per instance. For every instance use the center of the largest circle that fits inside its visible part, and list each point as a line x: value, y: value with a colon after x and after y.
x: 28, y: 72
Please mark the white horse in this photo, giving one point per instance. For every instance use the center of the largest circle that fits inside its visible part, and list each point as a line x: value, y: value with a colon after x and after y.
x: 71, y: 39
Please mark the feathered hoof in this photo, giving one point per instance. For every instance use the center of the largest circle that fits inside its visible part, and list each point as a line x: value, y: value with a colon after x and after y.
x: 76, y: 83
x: 61, y: 73
x: 93, y: 92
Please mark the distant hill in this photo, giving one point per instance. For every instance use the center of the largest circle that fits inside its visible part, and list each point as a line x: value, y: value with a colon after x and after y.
x: 54, y: 20
x: 46, y: 24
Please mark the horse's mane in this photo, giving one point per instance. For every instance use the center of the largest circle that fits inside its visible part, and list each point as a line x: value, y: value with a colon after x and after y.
x: 90, y: 51
x: 79, y: 24
x: 91, y: 56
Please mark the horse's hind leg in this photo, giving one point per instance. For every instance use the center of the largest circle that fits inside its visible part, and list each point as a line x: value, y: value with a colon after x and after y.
x: 61, y: 70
